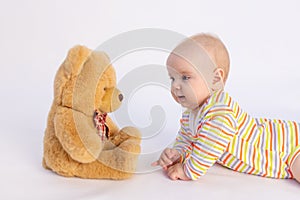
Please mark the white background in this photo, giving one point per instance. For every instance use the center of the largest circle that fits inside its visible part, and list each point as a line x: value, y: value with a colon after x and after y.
x: 262, y: 38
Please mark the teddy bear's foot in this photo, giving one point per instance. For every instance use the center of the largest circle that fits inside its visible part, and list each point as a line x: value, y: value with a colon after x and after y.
x: 45, y: 165
x: 97, y: 170
x: 122, y: 158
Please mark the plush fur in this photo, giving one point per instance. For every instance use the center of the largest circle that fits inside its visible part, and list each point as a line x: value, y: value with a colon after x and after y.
x: 84, y: 82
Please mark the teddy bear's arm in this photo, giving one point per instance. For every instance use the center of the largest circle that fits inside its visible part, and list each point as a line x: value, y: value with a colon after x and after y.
x: 113, y: 128
x: 77, y: 135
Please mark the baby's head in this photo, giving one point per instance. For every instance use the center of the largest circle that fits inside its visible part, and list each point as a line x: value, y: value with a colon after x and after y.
x: 198, y: 66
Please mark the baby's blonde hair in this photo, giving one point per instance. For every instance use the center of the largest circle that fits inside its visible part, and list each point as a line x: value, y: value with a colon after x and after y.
x: 216, y: 50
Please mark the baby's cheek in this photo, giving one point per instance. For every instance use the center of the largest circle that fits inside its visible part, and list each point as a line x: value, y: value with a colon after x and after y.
x: 174, y: 97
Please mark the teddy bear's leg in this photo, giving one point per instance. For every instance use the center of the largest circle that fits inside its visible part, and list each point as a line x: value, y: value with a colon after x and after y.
x: 100, y: 170
x: 127, y: 150
x: 118, y: 163
x: 56, y: 159
x: 45, y: 165
x: 122, y: 158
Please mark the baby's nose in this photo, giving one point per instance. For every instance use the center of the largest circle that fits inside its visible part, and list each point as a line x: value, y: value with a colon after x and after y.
x: 176, y: 85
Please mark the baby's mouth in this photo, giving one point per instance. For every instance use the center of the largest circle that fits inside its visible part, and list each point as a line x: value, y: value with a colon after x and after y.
x: 181, y: 98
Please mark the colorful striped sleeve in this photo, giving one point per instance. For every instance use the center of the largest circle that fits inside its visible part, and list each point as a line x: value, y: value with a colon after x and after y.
x: 182, y: 143
x: 212, y: 138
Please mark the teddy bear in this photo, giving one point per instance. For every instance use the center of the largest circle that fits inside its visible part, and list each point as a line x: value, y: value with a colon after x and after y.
x: 80, y: 139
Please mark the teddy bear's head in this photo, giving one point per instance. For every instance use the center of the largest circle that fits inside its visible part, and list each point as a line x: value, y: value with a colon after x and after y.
x: 87, y: 81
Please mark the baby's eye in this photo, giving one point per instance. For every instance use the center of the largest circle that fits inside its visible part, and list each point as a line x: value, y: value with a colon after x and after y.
x: 172, y: 79
x: 185, y: 78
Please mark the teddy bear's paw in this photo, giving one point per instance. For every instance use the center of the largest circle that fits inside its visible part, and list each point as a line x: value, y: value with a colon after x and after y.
x: 125, y: 134
x: 131, y: 132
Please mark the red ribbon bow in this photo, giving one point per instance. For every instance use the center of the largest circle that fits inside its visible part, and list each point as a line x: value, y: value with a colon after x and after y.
x: 100, y: 124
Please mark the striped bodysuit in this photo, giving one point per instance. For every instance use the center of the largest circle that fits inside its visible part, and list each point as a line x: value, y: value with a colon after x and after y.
x: 220, y: 131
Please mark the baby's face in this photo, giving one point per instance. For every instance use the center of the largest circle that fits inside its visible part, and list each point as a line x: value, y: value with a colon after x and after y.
x: 188, y: 87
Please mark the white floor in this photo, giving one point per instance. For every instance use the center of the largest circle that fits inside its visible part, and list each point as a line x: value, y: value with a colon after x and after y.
x: 22, y: 177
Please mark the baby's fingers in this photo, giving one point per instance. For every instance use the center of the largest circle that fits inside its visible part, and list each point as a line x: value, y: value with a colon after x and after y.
x: 165, y: 160
x: 155, y: 163
x: 172, y: 174
x: 172, y: 154
x: 159, y: 163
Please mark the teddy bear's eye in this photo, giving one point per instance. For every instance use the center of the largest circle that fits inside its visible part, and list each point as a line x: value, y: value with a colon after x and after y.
x: 104, y: 88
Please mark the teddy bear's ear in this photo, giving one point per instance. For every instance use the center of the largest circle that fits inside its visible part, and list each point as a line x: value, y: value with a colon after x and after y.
x: 71, y: 67
x: 87, y: 81
x: 76, y: 58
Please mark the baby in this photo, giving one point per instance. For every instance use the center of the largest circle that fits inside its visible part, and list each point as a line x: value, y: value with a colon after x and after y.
x: 214, y: 128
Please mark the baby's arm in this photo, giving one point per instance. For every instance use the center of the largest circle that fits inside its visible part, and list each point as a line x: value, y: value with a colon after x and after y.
x: 171, y: 156
x: 183, y: 143
x: 213, y: 137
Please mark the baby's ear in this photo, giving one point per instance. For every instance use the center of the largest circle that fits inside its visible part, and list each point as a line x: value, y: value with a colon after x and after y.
x: 218, y: 80
x: 220, y: 72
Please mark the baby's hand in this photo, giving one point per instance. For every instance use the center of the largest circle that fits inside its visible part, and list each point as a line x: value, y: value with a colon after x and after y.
x: 176, y: 172
x: 167, y: 158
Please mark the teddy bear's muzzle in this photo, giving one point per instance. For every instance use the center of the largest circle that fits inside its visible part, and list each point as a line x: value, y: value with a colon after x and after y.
x: 112, y: 100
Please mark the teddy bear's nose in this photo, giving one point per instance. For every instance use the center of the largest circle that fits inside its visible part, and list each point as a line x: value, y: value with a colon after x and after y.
x: 121, y: 97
